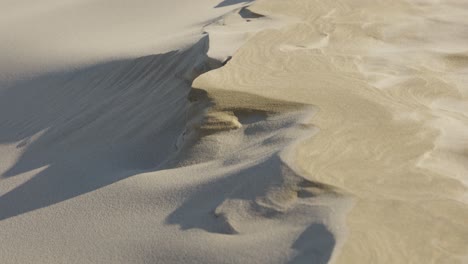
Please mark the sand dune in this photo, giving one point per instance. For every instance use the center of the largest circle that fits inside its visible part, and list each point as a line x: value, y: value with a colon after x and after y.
x: 385, y: 145
x: 233, y: 132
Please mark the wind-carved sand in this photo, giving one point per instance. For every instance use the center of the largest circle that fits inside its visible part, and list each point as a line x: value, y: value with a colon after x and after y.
x: 392, y: 117
x: 292, y: 132
x: 257, y: 135
x: 209, y: 167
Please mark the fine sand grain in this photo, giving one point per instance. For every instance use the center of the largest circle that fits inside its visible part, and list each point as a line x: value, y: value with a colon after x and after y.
x: 273, y: 131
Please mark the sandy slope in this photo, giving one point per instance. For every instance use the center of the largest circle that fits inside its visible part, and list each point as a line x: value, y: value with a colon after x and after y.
x: 338, y: 135
x: 38, y: 37
x: 388, y: 80
x: 120, y: 162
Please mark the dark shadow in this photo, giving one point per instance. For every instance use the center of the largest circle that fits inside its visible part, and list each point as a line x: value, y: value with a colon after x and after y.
x: 314, y: 246
x: 199, y: 209
x: 245, y: 13
x: 99, y: 125
x: 232, y: 2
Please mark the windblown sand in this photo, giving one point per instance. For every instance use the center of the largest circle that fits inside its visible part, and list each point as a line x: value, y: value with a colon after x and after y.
x: 297, y: 131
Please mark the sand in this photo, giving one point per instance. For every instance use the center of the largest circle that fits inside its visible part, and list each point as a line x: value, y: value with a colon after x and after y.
x: 271, y: 131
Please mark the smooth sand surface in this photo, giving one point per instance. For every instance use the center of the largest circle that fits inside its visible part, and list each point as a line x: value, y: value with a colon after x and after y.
x: 295, y: 131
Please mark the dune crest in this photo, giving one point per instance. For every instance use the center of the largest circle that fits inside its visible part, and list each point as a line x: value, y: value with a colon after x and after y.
x: 130, y: 140
x: 267, y: 131
x: 392, y: 125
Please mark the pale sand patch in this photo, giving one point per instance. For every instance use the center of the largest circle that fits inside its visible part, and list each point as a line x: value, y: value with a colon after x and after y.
x: 372, y: 138
x: 337, y: 138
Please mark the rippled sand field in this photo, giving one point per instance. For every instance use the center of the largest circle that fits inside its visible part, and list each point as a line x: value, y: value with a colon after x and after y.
x: 389, y: 80
x: 269, y: 131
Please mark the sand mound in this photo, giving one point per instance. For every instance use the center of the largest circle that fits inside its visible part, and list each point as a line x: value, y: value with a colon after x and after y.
x: 125, y: 161
x: 278, y: 132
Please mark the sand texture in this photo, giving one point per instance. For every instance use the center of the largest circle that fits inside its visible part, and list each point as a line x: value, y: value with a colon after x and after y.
x: 268, y: 131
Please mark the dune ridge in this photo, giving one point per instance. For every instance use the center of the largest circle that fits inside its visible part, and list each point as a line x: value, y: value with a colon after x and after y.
x: 384, y: 139
x: 218, y: 170
x: 292, y: 132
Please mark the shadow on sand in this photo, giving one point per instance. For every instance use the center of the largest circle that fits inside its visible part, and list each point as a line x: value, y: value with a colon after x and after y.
x: 94, y: 126
x: 314, y: 246
x: 232, y: 2
x: 105, y: 123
